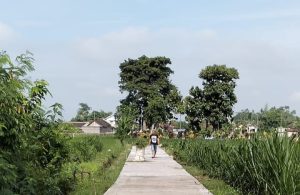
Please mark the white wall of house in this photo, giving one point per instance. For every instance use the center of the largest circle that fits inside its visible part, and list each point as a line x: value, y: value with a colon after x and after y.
x: 91, y: 129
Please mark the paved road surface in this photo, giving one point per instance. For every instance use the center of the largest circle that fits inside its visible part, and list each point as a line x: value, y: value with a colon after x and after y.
x: 161, y: 175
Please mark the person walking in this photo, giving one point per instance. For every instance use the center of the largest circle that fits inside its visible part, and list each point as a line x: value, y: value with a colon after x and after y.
x: 154, y: 141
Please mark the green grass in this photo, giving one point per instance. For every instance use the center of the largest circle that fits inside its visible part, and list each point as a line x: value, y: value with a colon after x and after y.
x: 101, y: 172
x: 215, y: 186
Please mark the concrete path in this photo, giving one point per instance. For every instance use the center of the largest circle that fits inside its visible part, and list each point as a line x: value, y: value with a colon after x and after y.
x: 161, y: 175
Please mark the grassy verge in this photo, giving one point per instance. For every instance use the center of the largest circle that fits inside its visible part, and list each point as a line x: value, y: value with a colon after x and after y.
x: 96, y: 176
x: 215, y: 186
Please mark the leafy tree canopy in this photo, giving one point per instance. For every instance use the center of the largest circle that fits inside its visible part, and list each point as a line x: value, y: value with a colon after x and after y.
x: 215, y: 101
x: 32, y: 151
x: 149, y: 89
x: 194, y: 104
x: 269, y: 118
x: 218, y: 93
x: 85, y: 113
x: 125, y: 117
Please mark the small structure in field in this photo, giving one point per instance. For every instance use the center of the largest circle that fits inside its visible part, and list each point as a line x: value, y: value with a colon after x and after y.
x: 251, y: 128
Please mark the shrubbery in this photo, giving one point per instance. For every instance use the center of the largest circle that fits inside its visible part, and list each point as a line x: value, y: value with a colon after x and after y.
x: 84, y: 148
x: 35, y: 157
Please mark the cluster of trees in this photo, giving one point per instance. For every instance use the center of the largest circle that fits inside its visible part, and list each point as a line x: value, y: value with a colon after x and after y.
x: 32, y: 150
x: 153, y: 99
x: 85, y: 113
x: 269, y: 118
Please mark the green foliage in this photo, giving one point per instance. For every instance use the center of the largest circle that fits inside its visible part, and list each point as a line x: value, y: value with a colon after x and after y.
x: 125, y: 116
x: 215, y: 101
x: 218, y: 93
x: 272, y: 118
x: 194, y: 104
x: 149, y: 88
x: 269, y: 118
x: 245, y: 117
x: 32, y: 151
x: 68, y: 128
x: 141, y: 142
x: 214, y: 185
x: 85, y: 148
x: 180, y: 124
x: 84, y: 113
x: 103, y: 169
x: 257, y: 166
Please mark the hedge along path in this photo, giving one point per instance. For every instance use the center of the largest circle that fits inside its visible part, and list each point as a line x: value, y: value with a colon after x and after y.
x: 161, y: 175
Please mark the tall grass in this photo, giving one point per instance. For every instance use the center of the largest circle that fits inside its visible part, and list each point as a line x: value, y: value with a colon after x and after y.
x: 257, y: 166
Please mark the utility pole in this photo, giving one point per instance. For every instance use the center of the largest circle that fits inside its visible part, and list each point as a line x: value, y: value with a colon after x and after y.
x: 180, y: 121
x: 281, y: 119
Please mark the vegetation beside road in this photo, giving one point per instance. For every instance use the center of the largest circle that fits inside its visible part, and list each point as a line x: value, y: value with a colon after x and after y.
x: 262, y: 165
x: 36, y: 154
x: 98, y: 174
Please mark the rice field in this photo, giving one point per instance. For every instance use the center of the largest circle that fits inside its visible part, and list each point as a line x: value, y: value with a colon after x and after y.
x: 262, y: 165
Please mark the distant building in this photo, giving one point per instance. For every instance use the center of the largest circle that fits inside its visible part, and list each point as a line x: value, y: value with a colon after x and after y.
x: 111, y: 120
x: 288, y: 131
x: 99, y: 126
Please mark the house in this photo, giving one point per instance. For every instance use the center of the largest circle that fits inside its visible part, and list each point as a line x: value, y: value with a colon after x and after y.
x: 292, y: 132
x: 111, y: 120
x: 99, y: 126
x: 288, y: 131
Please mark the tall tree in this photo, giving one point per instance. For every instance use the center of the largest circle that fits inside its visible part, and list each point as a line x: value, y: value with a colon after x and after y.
x: 218, y: 93
x: 215, y: 101
x: 99, y: 114
x: 85, y: 113
x: 193, y: 105
x: 146, y: 80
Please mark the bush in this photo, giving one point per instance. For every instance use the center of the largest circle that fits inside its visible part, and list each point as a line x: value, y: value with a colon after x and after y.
x: 84, y: 148
x: 141, y: 142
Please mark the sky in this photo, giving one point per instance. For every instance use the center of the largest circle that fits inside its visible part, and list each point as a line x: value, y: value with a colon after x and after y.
x: 79, y: 45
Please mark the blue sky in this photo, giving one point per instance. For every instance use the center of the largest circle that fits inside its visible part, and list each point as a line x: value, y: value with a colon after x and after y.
x: 78, y: 45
